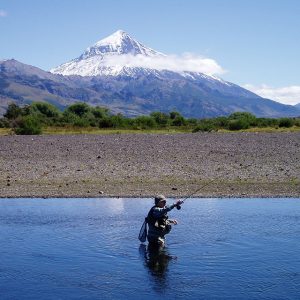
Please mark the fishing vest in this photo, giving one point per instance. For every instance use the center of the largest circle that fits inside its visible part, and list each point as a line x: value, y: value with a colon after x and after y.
x: 160, y: 223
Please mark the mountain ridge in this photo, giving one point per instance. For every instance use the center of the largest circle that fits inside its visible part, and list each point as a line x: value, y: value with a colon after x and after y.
x: 131, y: 90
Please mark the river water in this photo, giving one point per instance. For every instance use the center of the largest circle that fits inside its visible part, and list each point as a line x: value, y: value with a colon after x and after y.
x: 88, y: 249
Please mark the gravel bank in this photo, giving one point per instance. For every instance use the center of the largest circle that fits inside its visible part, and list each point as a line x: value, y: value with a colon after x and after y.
x: 235, y: 164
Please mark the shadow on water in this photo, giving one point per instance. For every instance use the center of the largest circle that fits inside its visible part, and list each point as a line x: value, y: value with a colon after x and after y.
x: 156, y: 260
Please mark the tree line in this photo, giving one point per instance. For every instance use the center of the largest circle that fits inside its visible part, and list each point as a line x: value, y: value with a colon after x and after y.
x: 32, y: 118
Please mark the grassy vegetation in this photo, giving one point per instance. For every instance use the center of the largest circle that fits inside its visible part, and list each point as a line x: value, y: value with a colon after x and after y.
x: 79, y: 118
x: 5, y: 131
x: 265, y: 129
x: 94, y: 130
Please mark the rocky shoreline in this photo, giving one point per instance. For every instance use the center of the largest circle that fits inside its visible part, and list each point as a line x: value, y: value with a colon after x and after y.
x: 142, y: 165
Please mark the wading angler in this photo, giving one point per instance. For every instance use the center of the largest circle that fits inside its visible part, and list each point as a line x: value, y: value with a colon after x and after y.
x: 158, y: 222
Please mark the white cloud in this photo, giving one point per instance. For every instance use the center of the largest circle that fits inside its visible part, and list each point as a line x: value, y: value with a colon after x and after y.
x: 177, y: 63
x: 286, y: 95
x: 3, y: 13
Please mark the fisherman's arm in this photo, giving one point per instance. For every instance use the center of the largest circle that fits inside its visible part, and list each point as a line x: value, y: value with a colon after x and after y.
x: 159, y: 212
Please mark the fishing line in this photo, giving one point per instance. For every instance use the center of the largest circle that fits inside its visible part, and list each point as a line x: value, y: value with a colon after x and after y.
x: 193, y: 193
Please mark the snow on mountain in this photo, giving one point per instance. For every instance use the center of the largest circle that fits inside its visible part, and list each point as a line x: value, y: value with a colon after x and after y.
x: 113, y: 55
x: 120, y: 43
x: 120, y: 54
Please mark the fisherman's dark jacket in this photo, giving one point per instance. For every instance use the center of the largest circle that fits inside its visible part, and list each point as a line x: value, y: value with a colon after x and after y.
x: 158, y: 224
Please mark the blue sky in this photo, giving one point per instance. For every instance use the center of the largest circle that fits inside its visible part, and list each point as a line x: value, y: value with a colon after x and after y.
x: 255, y: 41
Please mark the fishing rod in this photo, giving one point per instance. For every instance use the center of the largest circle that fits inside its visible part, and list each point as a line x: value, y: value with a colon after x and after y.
x: 143, y: 231
x: 193, y: 193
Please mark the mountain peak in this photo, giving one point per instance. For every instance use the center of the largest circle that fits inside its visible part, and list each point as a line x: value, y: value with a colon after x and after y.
x: 118, y: 34
x: 116, y: 39
x: 108, y: 56
x: 120, y: 42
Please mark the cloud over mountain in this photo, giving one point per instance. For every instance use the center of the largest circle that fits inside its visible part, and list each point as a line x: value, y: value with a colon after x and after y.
x: 286, y: 95
x: 112, y: 54
x: 178, y: 63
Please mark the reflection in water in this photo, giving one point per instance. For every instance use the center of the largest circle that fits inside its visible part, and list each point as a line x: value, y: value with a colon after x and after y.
x: 116, y: 205
x: 156, y: 259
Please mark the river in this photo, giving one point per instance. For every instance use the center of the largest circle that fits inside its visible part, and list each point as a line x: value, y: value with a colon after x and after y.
x: 88, y: 249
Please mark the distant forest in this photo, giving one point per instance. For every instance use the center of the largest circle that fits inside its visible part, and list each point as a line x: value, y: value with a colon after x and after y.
x: 33, y: 118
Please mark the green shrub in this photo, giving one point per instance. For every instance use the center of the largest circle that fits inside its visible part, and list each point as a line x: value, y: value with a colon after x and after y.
x: 176, y: 119
x: 205, y: 125
x: 179, y: 121
x: 4, y: 123
x: 220, y: 122
x: 81, y: 122
x: 266, y: 122
x: 241, y: 120
x: 83, y: 115
x: 69, y: 117
x: 297, y: 122
x: 78, y: 109
x: 144, y: 122
x: 286, y: 122
x: 28, y: 125
x: 245, y: 120
x: 242, y: 115
x: 238, y: 124
x: 118, y: 121
x: 100, y: 112
x: 160, y: 118
x: 46, y: 109
x: 192, y: 121
x: 13, y: 111
x: 174, y: 114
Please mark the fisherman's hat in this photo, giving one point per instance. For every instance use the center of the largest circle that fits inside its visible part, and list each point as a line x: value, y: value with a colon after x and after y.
x: 159, y: 198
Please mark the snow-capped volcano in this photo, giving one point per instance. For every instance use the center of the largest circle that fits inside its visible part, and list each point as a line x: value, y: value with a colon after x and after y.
x: 157, y: 82
x: 113, y: 55
x: 118, y: 43
x: 120, y: 54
